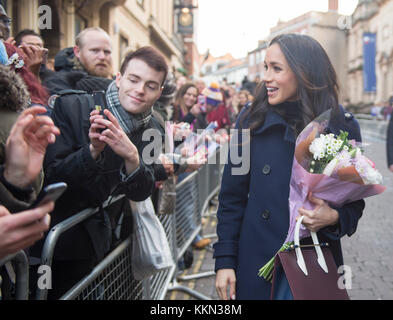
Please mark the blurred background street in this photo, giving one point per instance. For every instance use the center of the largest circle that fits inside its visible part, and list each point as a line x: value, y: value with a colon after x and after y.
x: 369, y: 252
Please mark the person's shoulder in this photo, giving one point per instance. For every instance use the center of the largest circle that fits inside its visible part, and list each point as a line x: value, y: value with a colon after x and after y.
x: 347, y: 121
x: 243, y: 117
x: 343, y: 116
x: 72, y: 101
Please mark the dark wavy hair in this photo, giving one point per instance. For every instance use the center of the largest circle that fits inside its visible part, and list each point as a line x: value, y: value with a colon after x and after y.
x: 317, y: 89
x: 151, y: 56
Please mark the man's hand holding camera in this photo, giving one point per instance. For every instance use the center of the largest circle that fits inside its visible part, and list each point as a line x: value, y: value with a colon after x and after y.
x: 113, y: 136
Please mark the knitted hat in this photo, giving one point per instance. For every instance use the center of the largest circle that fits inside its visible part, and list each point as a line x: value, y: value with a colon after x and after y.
x: 213, y: 94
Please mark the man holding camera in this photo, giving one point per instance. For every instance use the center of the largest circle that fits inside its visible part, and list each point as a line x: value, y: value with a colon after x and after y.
x: 98, y: 155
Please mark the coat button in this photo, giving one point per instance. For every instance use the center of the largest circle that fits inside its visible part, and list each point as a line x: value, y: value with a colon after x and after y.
x: 266, y: 215
x: 266, y: 169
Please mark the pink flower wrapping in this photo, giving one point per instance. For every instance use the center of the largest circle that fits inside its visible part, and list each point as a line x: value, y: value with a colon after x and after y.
x: 344, y: 185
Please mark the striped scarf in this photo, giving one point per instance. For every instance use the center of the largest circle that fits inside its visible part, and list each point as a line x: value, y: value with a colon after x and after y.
x: 129, y: 122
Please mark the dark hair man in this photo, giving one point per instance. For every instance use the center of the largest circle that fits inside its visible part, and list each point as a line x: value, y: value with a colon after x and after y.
x: 29, y: 37
x: 98, y: 157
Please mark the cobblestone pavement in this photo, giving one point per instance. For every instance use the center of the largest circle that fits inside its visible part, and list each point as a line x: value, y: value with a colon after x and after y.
x: 369, y: 252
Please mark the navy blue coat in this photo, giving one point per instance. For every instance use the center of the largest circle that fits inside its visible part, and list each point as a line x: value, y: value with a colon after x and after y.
x: 253, y: 214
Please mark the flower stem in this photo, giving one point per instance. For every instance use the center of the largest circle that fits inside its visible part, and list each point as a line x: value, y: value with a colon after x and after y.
x: 267, y: 270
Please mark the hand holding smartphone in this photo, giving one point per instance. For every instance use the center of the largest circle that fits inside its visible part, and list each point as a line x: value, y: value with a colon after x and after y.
x: 50, y: 193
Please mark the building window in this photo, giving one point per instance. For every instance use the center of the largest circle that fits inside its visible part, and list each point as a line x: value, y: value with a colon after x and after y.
x: 80, y: 24
x: 123, y: 46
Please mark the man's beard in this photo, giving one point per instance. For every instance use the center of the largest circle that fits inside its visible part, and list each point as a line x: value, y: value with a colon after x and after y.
x: 101, y: 72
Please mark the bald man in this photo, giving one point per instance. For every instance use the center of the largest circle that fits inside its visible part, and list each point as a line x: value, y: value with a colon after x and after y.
x: 87, y: 66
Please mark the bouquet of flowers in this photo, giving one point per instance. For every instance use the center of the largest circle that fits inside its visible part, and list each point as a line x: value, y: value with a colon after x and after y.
x: 333, y: 168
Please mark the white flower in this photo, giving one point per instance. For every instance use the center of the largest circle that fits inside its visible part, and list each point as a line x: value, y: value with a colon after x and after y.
x: 344, y: 159
x: 366, y: 171
x: 373, y: 177
x: 317, y: 148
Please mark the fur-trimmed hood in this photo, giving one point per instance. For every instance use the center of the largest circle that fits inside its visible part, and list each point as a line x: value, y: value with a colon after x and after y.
x: 14, y: 95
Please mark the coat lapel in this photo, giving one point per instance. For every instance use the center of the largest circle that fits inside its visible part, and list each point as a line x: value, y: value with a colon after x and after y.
x: 274, y: 119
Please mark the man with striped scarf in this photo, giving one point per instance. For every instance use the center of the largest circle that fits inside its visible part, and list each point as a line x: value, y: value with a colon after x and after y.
x: 98, y: 154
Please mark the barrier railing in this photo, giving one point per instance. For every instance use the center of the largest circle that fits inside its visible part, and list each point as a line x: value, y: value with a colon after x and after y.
x: 112, y: 278
x: 18, y: 265
x: 199, y: 188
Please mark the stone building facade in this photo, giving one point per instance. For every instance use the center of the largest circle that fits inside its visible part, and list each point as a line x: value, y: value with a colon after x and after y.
x: 130, y: 23
x: 375, y: 17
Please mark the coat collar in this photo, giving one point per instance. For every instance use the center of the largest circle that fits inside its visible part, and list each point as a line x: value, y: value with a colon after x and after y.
x: 274, y: 119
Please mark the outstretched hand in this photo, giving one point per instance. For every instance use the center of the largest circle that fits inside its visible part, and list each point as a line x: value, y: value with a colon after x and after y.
x: 26, y: 146
x: 115, y: 137
x: 22, y: 230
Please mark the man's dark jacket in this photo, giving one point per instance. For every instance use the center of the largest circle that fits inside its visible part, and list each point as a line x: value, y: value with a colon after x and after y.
x: 90, y: 182
x: 69, y: 76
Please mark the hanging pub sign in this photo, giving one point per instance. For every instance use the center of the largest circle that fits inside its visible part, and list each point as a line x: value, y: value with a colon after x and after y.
x: 185, y: 22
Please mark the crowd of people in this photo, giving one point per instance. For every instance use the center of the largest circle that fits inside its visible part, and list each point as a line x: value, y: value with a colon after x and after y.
x: 74, y: 120
x: 383, y: 110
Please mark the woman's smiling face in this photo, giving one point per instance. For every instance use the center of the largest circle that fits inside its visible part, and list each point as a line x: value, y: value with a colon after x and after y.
x: 190, y: 97
x: 280, y: 80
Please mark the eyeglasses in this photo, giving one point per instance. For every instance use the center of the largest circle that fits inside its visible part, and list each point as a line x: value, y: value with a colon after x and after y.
x: 5, y: 20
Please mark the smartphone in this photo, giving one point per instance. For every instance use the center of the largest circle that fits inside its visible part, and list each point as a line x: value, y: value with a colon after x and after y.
x: 100, y: 103
x: 45, y: 56
x: 50, y: 193
x: 202, y: 102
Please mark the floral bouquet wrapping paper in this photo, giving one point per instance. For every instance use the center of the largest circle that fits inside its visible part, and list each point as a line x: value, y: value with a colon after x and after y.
x: 333, y: 168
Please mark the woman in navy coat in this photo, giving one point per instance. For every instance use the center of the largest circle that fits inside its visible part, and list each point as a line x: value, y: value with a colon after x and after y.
x: 299, y: 84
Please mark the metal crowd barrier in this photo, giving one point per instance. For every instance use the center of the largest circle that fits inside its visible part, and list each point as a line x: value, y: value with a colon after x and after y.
x: 112, y: 278
x: 197, y: 189
x: 17, y: 266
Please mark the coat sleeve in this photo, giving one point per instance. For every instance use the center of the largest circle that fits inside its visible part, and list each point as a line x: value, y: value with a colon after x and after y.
x: 350, y: 213
x: 233, y: 200
x: 69, y: 158
x: 137, y: 186
x: 389, y: 142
